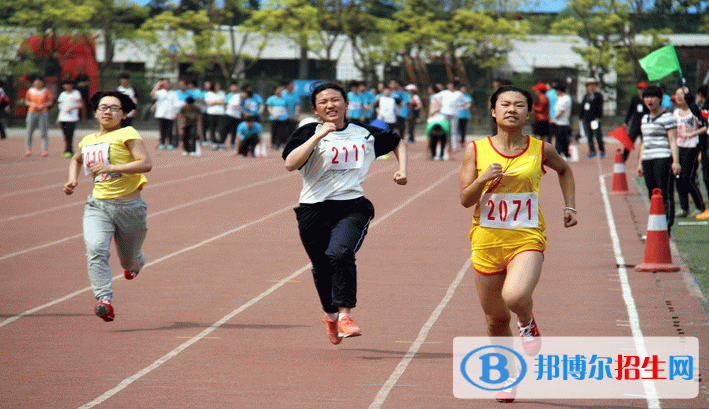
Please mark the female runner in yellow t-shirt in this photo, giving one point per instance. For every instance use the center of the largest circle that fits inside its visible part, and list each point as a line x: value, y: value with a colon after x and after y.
x: 500, y: 177
x: 116, y: 158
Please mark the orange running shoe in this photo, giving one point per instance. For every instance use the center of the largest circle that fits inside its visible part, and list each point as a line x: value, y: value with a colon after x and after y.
x: 347, y: 327
x: 508, y: 394
x: 333, y: 331
x: 703, y: 215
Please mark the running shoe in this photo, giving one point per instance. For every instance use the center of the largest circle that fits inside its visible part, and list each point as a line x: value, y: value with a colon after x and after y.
x: 104, y: 310
x: 28, y: 153
x: 67, y: 155
x: 332, y: 331
x: 161, y: 147
x: 129, y: 275
x: 347, y: 327
x: 703, y: 215
x: 682, y: 213
x: 531, y: 339
x: 507, y: 395
x: 591, y: 156
x: 45, y: 154
x: 603, y: 155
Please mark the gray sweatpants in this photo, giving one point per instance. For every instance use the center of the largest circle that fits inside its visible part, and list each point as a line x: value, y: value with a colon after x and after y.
x: 32, y: 120
x: 104, y: 219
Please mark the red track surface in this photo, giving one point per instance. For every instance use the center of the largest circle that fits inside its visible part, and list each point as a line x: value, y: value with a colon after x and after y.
x: 225, y: 313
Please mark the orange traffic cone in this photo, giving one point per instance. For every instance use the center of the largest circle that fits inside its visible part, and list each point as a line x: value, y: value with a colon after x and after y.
x: 657, y: 245
x: 620, y: 183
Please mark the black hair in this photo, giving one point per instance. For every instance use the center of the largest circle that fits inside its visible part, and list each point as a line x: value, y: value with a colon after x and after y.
x: 189, y: 100
x: 560, y: 87
x: 68, y: 81
x: 511, y: 88
x: 124, y: 75
x: 127, y: 103
x: 251, y: 118
x: 325, y: 86
x: 437, y: 128
x: 653, y: 91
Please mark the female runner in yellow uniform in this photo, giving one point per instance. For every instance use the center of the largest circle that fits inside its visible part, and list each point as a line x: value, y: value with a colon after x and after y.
x: 500, y: 177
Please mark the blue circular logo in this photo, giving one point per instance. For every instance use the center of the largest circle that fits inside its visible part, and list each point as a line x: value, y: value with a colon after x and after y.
x: 520, y: 359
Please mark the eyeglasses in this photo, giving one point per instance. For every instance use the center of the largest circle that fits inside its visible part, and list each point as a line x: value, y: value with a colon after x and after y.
x: 113, y: 108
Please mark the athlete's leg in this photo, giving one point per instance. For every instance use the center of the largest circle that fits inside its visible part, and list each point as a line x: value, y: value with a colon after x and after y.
x: 523, y: 273
x: 496, y: 313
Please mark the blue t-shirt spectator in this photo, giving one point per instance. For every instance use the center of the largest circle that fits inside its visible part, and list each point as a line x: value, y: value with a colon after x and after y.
x: 369, y: 99
x: 245, y: 131
x: 278, y: 108
x: 404, y: 97
x: 464, y: 108
x: 292, y: 101
x: 252, y: 105
x: 354, y: 110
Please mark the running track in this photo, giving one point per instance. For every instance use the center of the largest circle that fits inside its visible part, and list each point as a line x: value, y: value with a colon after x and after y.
x: 225, y: 314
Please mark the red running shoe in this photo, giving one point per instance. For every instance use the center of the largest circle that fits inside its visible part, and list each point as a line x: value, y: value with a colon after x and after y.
x: 347, y: 327
x: 333, y: 331
x: 129, y: 275
x: 104, y: 310
x: 508, y: 394
x: 531, y: 339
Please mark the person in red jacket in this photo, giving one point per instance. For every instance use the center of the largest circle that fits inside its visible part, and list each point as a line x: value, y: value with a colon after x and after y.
x: 540, y: 107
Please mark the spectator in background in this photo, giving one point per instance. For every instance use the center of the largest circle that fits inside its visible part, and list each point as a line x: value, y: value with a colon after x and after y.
x: 278, y: 114
x: 451, y: 98
x: 127, y: 89
x: 166, y: 104
x: 38, y: 100
x: 234, y: 113
x: 703, y: 102
x: 369, y: 99
x: 189, y: 126
x: 633, y: 116
x: 540, y: 129
x: 82, y: 83
x: 689, y: 127
x: 562, y: 121
x: 4, y: 108
x: 355, y: 109
x: 437, y: 131
x: 464, y: 114
x: 403, y: 113
x: 70, y: 105
x: 388, y: 107
x: 591, y: 113
x: 415, y: 111
x: 659, y: 156
x: 249, y: 134
x: 293, y: 102
x: 215, y: 99
x: 551, y: 96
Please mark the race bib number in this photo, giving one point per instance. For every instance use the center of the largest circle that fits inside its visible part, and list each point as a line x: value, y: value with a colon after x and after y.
x: 279, y: 112
x: 342, y: 155
x: 99, y: 153
x: 509, y: 210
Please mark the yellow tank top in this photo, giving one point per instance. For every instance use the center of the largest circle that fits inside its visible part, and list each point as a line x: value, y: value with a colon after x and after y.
x: 111, y: 148
x: 509, y: 213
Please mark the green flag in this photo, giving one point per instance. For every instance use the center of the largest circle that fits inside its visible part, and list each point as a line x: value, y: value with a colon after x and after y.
x: 660, y: 63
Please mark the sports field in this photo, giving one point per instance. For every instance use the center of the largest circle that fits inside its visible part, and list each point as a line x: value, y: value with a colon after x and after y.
x: 225, y: 313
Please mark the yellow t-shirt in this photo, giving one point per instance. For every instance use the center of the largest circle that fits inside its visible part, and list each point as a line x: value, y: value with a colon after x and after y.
x: 509, y: 214
x: 111, y: 148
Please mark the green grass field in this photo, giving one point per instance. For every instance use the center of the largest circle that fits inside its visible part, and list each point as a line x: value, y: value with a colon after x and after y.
x: 691, y: 237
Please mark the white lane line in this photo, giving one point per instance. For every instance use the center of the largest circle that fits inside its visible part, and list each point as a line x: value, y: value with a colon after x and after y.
x: 37, y: 189
x: 653, y: 402
x: 51, y: 303
x: 423, y: 333
x: 108, y: 394
x: 170, y: 209
x: 148, y: 187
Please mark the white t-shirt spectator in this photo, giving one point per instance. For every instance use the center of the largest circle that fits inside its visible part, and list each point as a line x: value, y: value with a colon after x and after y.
x: 450, y: 101
x: 166, y: 104
x: 131, y: 93
x: 232, y: 106
x: 563, y: 106
x: 387, y: 109
x: 210, y: 98
x: 69, y: 103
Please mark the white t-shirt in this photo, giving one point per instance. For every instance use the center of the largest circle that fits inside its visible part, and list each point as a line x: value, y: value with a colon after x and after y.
x: 686, y: 124
x: 563, y: 103
x: 232, y: 104
x: 210, y: 97
x: 450, y: 101
x: 387, y: 109
x: 166, y: 104
x: 131, y: 93
x: 340, y: 161
x: 69, y: 106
